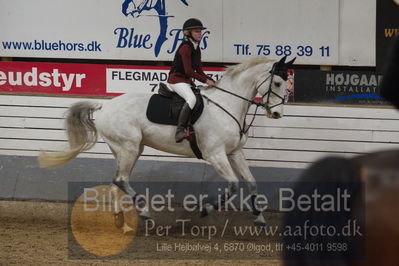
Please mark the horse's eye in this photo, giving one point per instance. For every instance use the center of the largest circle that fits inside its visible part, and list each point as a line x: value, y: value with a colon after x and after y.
x: 277, y: 84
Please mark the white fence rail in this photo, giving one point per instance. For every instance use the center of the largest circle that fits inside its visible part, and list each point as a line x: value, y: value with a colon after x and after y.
x: 29, y: 124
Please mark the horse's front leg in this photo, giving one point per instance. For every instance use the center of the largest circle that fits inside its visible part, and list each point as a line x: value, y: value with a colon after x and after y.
x: 222, y: 166
x: 239, y: 164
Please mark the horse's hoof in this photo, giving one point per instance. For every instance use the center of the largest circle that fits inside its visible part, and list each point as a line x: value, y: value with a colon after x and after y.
x: 259, y: 224
x: 144, y: 218
x: 119, y: 219
x: 127, y: 229
x: 260, y: 221
x: 206, y: 210
x: 255, y: 211
x: 204, y: 213
x: 145, y: 214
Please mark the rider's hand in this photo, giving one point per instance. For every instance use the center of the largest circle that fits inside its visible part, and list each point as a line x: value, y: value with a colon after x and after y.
x: 210, y: 83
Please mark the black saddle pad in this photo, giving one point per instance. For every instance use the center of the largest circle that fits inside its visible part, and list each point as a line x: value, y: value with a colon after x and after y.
x: 165, y: 110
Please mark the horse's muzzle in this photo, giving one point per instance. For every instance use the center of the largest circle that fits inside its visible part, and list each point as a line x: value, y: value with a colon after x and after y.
x: 276, y: 115
x: 273, y: 115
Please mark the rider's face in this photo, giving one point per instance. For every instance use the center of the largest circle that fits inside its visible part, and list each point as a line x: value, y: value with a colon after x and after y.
x: 196, y: 34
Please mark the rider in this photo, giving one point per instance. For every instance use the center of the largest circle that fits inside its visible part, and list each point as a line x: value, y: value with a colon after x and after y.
x: 186, y: 67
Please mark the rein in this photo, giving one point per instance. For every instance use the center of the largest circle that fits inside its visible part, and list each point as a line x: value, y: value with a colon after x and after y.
x: 244, y: 130
x: 239, y: 96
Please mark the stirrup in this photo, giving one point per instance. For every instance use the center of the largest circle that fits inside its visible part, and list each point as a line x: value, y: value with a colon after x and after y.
x: 181, y: 138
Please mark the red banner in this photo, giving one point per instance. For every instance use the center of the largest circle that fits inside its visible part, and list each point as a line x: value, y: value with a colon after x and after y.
x: 82, y: 79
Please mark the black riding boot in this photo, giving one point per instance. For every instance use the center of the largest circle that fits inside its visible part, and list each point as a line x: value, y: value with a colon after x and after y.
x: 184, y: 116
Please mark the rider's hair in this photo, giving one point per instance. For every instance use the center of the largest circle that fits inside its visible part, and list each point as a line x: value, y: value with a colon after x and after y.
x: 187, y: 33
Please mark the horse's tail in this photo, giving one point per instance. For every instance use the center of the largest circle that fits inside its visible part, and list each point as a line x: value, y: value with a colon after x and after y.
x: 81, y: 131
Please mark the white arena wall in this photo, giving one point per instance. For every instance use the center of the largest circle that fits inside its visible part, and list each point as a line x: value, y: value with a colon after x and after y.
x: 29, y: 124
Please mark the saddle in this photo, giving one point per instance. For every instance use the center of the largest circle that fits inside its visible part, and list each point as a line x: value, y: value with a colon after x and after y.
x: 164, y: 108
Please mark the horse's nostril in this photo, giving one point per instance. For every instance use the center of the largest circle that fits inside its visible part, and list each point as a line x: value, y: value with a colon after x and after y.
x: 276, y: 115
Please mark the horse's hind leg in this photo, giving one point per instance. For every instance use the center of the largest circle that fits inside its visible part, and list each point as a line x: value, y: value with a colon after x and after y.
x: 239, y: 164
x: 119, y: 218
x: 126, y: 160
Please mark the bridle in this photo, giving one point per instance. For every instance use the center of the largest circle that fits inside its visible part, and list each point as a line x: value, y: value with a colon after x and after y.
x: 268, y: 93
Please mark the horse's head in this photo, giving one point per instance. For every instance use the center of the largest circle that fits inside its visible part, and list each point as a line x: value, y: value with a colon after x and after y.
x: 272, y: 88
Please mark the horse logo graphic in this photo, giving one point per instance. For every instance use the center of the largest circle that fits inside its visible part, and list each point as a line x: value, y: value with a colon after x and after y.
x: 137, y: 8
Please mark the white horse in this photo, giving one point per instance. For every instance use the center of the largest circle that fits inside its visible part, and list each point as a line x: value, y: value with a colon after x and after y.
x: 123, y: 125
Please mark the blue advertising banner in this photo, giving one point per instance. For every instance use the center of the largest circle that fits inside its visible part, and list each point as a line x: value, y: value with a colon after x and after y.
x: 338, y: 87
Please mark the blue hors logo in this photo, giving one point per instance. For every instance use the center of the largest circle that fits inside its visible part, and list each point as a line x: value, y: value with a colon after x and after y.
x: 132, y: 38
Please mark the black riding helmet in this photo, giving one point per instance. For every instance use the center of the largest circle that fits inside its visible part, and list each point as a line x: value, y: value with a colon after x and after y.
x: 193, y: 23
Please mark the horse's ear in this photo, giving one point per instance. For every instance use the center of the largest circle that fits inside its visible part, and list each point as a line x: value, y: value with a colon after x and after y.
x: 289, y: 64
x: 282, y: 60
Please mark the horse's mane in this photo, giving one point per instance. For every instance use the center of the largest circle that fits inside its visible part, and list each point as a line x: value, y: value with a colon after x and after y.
x: 236, y: 69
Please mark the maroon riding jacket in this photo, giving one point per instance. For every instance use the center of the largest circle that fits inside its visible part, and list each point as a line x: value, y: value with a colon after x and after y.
x: 187, y: 65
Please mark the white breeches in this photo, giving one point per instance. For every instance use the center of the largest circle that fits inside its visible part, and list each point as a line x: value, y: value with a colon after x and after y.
x: 184, y: 90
